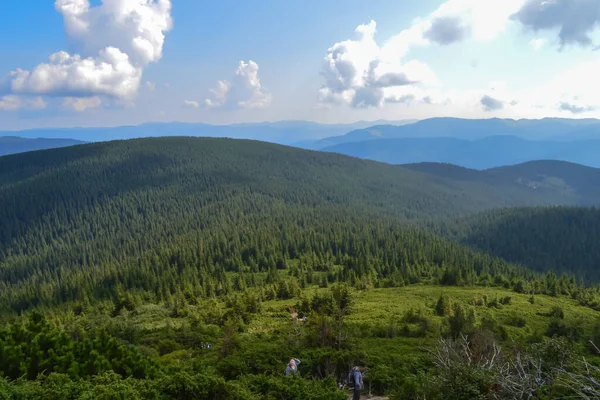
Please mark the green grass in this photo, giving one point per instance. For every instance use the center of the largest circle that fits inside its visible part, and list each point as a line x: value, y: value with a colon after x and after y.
x: 380, y: 306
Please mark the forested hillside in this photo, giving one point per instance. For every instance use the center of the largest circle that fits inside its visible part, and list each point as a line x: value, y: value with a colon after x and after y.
x: 558, y: 182
x: 76, y: 220
x: 562, y: 239
x: 182, y: 268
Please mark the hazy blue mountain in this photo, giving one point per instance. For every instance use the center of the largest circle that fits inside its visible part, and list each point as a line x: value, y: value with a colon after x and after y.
x: 485, y: 153
x: 282, y: 132
x: 13, y: 144
x: 558, y: 129
x: 372, y: 130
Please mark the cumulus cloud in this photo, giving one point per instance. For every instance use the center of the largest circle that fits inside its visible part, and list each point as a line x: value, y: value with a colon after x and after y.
x: 82, y: 104
x: 244, y: 90
x: 491, y: 104
x: 362, y: 73
x: 574, y: 19
x: 14, y: 103
x: 190, y: 104
x: 114, y: 42
x: 109, y: 74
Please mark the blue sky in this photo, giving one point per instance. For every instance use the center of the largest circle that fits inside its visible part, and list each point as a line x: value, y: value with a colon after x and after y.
x: 114, y: 62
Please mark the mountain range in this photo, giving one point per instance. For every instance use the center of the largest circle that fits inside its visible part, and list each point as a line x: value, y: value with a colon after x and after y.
x: 282, y: 132
x: 478, y: 144
x: 490, y: 152
x: 552, y: 129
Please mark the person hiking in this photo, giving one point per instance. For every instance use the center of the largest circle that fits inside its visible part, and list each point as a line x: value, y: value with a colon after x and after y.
x: 356, y: 380
x: 292, y: 366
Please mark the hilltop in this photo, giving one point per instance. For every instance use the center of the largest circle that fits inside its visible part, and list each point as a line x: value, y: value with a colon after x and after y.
x: 14, y: 144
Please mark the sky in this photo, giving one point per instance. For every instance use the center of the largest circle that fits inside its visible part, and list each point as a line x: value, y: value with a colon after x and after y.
x: 119, y: 62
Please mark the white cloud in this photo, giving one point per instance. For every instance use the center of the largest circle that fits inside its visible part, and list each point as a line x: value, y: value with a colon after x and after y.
x: 572, y: 92
x: 110, y: 74
x: 537, y: 43
x: 190, y: 104
x: 362, y: 73
x: 10, y: 103
x: 14, y: 103
x: 244, y: 91
x: 481, y: 20
x: 151, y: 86
x: 114, y: 41
x: 82, y: 104
x: 577, y: 87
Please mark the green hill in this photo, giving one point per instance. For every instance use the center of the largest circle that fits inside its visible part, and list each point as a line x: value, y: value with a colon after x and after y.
x: 77, y: 220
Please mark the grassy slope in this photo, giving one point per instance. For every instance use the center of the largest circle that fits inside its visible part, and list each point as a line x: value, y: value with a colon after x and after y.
x: 373, y: 308
x: 377, y: 306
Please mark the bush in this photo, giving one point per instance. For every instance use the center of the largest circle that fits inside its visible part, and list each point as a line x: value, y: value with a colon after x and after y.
x: 557, y: 312
x: 516, y: 320
x: 561, y: 329
x: 506, y: 300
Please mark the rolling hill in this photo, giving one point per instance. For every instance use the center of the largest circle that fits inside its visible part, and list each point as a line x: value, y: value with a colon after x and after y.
x: 69, y: 213
x: 14, y: 144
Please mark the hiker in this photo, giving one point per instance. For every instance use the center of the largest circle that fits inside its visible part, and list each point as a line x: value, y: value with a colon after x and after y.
x: 292, y: 366
x: 356, y: 380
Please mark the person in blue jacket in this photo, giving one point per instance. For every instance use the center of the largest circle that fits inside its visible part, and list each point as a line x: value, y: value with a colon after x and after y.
x: 292, y: 366
x: 358, y: 382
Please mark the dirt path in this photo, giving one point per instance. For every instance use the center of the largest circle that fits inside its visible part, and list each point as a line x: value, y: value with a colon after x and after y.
x: 366, y: 397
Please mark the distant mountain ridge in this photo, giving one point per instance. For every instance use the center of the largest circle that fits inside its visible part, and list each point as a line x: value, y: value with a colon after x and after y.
x: 555, y: 129
x: 480, y: 154
x: 281, y: 132
x: 472, y: 143
x: 13, y: 144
